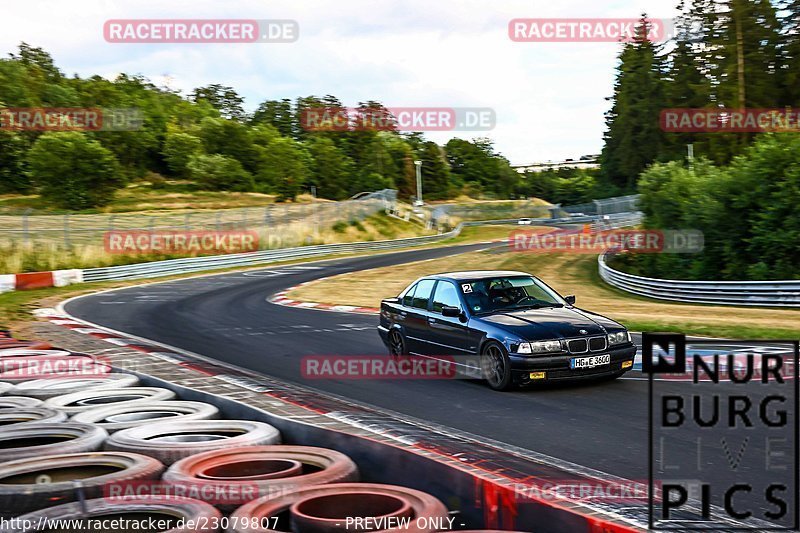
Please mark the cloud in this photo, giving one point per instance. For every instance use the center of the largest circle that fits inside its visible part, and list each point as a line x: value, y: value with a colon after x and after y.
x: 549, y: 97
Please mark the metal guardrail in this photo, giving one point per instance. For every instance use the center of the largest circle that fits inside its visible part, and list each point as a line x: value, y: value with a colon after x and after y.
x: 196, y: 264
x: 741, y: 293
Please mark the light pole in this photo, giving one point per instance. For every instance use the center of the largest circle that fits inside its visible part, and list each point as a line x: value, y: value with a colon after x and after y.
x: 418, y: 164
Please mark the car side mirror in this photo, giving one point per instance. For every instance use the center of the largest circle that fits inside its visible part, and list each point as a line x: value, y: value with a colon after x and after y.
x: 570, y: 299
x: 451, y: 311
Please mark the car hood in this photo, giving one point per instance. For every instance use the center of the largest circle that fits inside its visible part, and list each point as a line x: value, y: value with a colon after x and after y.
x: 551, y: 323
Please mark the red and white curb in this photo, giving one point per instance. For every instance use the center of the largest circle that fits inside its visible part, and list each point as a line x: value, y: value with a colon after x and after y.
x: 39, y: 280
x: 279, y: 298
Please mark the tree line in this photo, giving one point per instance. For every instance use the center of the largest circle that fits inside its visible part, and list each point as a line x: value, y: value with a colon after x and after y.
x: 208, y: 138
x: 731, y: 54
x: 740, y: 189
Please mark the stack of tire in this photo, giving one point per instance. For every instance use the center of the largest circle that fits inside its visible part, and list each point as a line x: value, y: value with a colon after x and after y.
x: 106, y: 448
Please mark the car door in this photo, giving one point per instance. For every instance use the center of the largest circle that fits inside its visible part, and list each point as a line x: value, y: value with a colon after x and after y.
x: 416, y: 320
x: 446, y: 335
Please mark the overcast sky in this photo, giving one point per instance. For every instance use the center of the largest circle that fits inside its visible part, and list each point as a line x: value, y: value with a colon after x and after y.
x: 549, y: 97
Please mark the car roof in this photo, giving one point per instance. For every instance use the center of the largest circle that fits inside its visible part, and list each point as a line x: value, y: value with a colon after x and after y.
x: 477, y: 274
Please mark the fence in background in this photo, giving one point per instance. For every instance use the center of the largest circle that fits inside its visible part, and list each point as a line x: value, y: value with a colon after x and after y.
x: 73, y: 229
x: 606, y: 206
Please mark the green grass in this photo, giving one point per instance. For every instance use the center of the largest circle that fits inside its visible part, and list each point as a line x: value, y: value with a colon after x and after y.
x: 568, y: 274
x: 143, y: 196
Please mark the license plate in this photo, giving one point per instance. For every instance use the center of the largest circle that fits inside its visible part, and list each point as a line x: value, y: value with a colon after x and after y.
x: 578, y: 363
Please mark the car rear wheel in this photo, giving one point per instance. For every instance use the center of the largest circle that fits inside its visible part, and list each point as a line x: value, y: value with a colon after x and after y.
x: 397, y: 345
x: 496, y: 367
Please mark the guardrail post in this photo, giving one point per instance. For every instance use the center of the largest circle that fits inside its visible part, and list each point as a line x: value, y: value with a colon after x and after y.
x: 26, y: 226
x: 66, y: 231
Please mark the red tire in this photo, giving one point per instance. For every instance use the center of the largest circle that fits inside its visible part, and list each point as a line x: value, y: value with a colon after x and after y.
x: 326, y: 508
x: 30, y: 345
x: 27, y: 352
x: 259, y: 471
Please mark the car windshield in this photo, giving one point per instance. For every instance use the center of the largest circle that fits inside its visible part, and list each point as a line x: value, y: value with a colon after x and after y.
x: 508, y: 293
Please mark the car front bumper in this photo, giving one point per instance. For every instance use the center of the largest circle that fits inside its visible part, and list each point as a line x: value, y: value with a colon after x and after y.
x: 557, y: 367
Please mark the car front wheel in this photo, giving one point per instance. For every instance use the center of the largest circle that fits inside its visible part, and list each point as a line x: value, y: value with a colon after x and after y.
x: 496, y: 367
x: 397, y: 345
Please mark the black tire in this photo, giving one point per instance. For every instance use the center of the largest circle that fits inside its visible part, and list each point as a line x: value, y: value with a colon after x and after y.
x: 200, y: 515
x: 134, y: 414
x: 35, y: 440
x: 30, y: 415
x: 397, y: 344
x: 48, y: 388
x: 496, y: 367
x: 78, y: 402
x: 40, y: 482
x: 171, y: 441
x: 15, y: 402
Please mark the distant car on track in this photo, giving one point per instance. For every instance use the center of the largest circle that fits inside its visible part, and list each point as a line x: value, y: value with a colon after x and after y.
x: 517, y: 328
x: 524, y: 222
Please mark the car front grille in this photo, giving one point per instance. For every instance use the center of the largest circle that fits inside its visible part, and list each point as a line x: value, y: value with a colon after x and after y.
x: 594, y: 344
x: 577, y: 345
x: 597, y: 344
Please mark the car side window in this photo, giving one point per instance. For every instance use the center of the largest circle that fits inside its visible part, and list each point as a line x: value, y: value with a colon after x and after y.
x: 445, y: 294
x: 408, y: 297
x: 423, y: 293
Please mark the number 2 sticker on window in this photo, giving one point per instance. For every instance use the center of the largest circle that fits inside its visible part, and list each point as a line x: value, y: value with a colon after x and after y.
x: 467, y: 288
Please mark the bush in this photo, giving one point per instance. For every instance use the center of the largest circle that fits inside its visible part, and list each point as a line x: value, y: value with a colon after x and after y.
x: 73, y: 171
x: 156, y: 180
x: 358, y: 225
x: 340, y: 227
x: 178, y: 151
x: 747, y: 212
x: 220, y: 173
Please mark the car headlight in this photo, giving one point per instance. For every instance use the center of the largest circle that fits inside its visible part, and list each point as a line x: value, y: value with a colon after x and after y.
x: 539, y: 347
x: 619, y: 337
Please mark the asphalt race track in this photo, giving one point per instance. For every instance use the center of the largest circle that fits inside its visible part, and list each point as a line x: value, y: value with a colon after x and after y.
x: 602, y: 425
